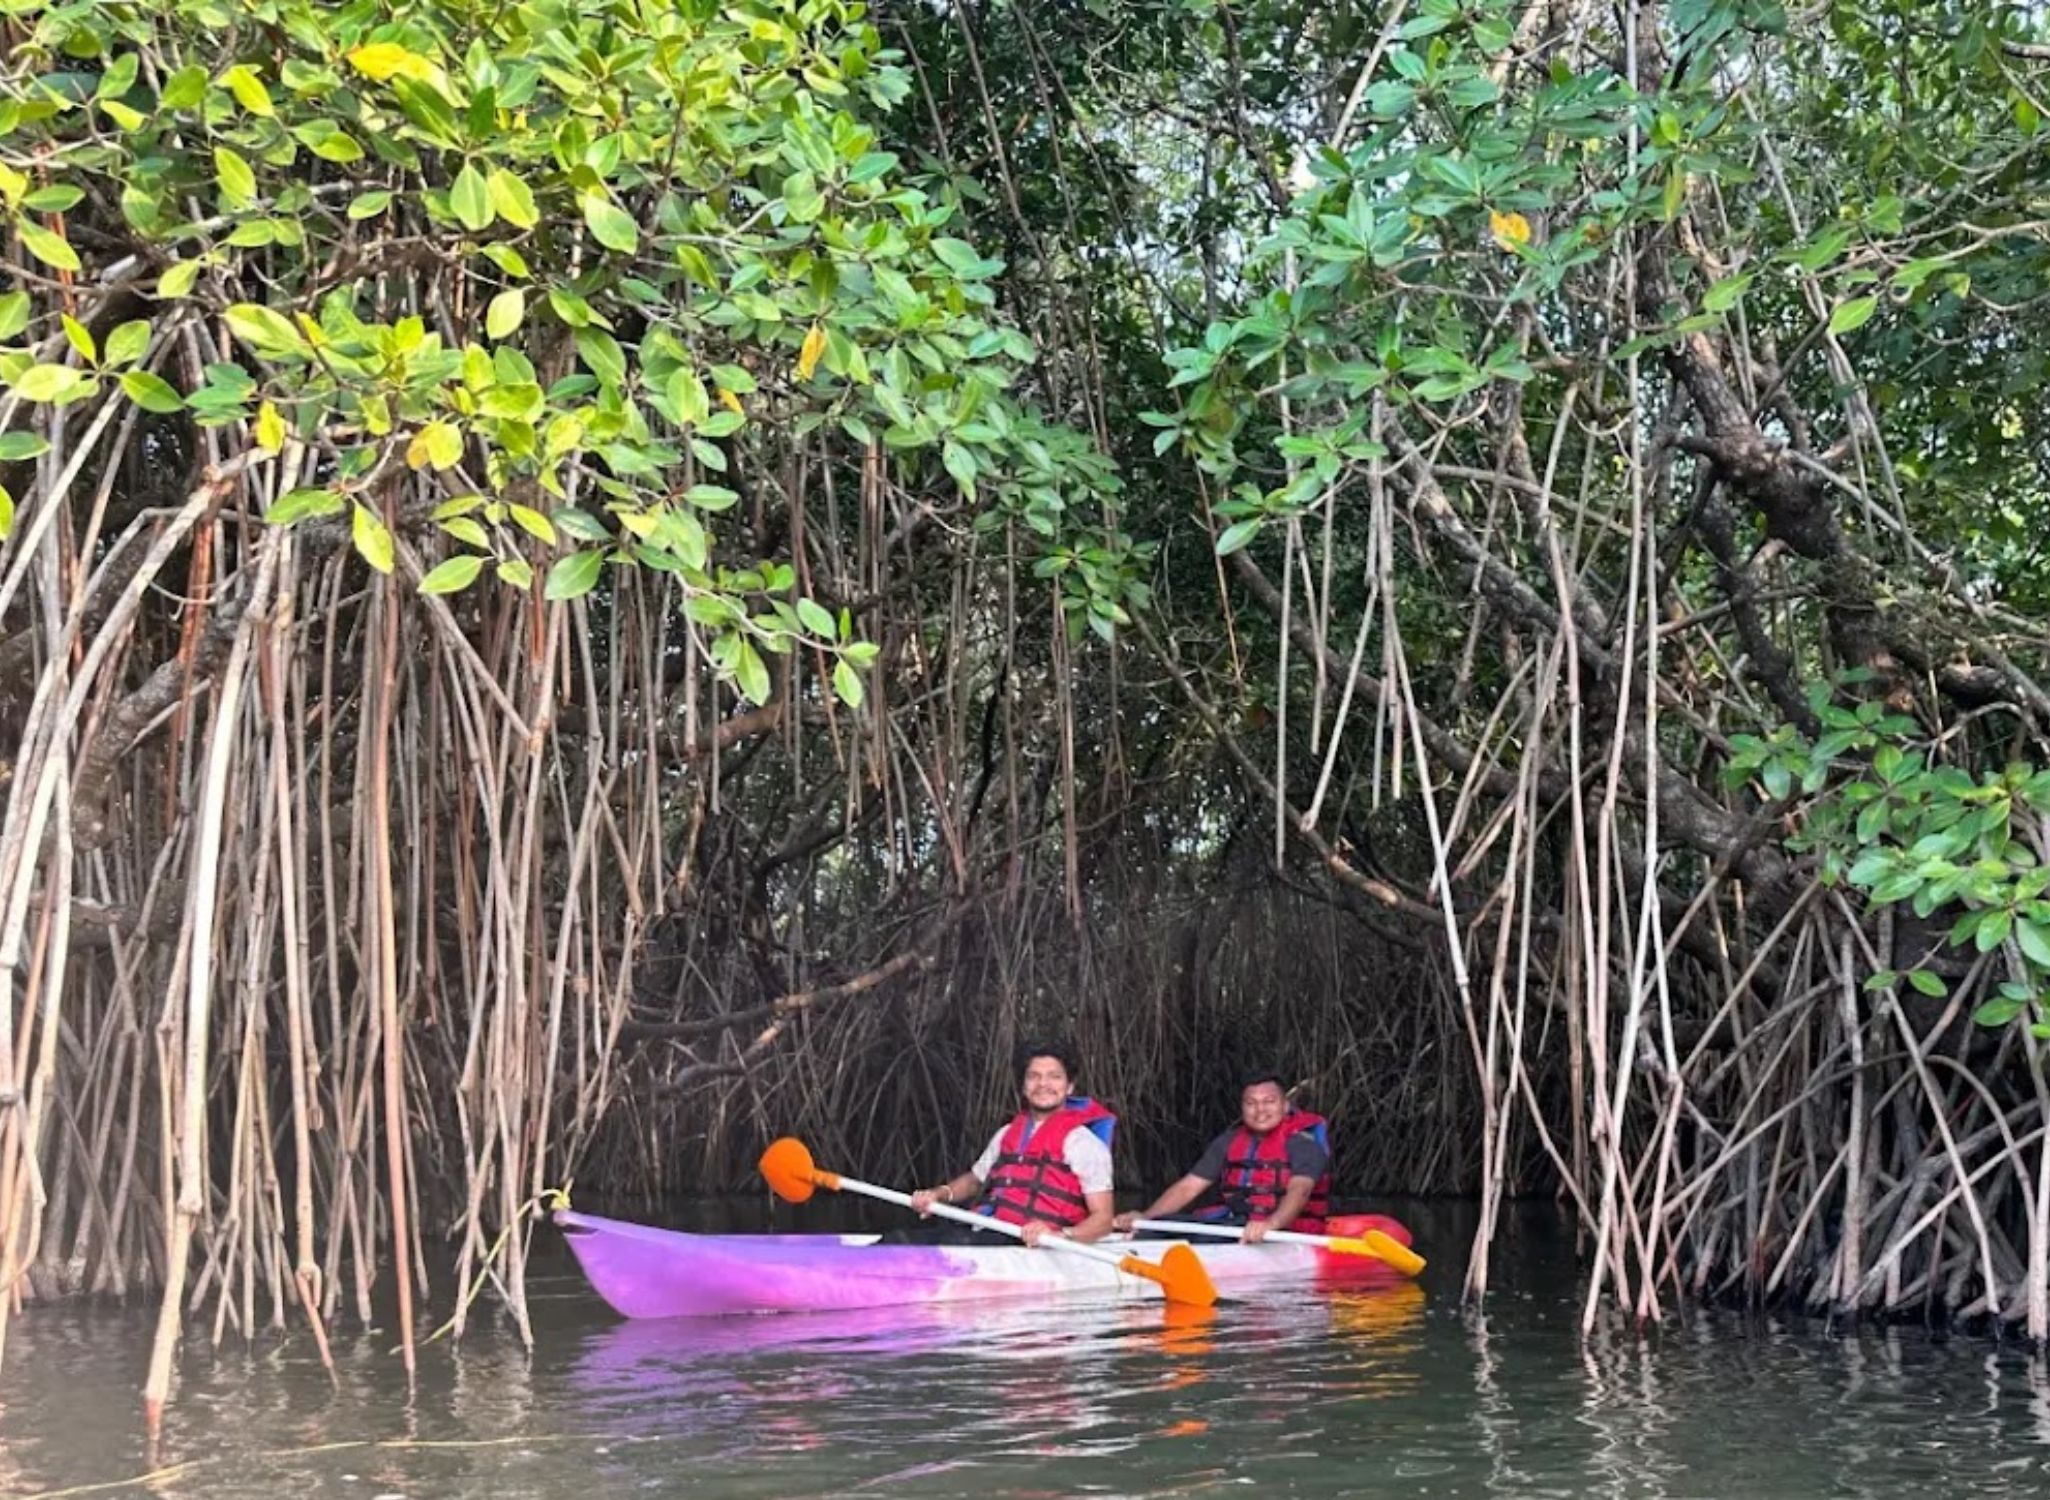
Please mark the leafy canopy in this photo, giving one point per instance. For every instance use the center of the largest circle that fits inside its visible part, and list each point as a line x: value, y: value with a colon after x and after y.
x: 570, y: 274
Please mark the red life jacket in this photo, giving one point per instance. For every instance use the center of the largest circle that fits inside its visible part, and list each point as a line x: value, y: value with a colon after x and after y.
x: 1256, y: 1173
x: 1031, y: 1178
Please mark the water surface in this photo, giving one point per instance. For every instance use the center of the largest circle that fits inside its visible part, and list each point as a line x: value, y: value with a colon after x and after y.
x: 1352, y: 1392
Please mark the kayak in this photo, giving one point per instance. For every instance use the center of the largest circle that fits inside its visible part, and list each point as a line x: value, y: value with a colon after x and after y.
x: 645, y: 1272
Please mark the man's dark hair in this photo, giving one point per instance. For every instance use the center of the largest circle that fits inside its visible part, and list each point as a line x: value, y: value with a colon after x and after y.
x: 1253, y: 1077
x: 1051, y: 1047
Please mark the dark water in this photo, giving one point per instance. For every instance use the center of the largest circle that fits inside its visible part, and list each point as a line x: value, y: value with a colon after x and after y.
x: 1353, y: 1393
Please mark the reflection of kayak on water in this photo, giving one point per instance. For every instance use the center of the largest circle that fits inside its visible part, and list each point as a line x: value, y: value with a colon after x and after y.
x: 1067, y: 1376
x: 633, y: 1376
x: 645, y: 1272
x: 1023, y: 1383
x: 981, y: 1330
x: 694, y: 1360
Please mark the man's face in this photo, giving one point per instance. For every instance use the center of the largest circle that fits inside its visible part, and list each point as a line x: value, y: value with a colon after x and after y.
x: 1046, y: 1083
x: 1262, y: 1106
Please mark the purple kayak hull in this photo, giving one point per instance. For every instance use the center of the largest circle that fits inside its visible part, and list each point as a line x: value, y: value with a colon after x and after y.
x: 665, y: 1273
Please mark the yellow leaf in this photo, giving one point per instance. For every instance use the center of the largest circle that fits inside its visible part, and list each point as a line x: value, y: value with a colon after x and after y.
x: 731, y: 402
x: 444, y: 444
x: 534, y: 523
x: 270, y: 428
x: 248, y: 90
x: 808, y: 356
x: 384, y: 60
x: 564, y: 433
x: 1510, y: 230
x: 76, y: 335
x: 437, y: 444
x: 372, y: 539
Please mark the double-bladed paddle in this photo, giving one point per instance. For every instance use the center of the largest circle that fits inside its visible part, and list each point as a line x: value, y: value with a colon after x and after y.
x: 1382, y: 1247
x: 787, y: 1165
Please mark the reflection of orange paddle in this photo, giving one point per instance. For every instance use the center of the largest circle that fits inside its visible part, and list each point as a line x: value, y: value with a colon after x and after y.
x: 1376, y: 1243
x: 1185, y: 1333
x: 1388, y: 1309
x: 1187, y: 1320
x: 787, y: 1165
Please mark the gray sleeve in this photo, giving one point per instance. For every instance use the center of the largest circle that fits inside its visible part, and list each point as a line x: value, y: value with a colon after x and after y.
x: 1305, y: 1157
x: 1210, y: 1165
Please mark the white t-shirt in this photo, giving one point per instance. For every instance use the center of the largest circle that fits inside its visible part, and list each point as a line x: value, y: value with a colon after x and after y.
x: 1087, y: 1157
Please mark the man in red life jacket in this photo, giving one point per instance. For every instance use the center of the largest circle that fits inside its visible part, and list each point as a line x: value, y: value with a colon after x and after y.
x: 1049, y: 1168
x: 1272, y: 1170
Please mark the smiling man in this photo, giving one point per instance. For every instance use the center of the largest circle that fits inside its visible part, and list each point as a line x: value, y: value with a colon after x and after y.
x: 1049, y: 1170
x: 1272, y: 1170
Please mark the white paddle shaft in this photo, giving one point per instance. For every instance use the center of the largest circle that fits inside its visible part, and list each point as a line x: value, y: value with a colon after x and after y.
x: 1229, y: 1231
x: 982, y: 1221
x: 1389, y: 1251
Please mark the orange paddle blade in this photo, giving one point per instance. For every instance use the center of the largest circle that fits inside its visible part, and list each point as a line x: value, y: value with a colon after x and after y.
x: 1393, y: 1251
x: 788, y: 1169
x: 1180, y: 1276
x: 1363, y: 1234
x: 1378, y: 1246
